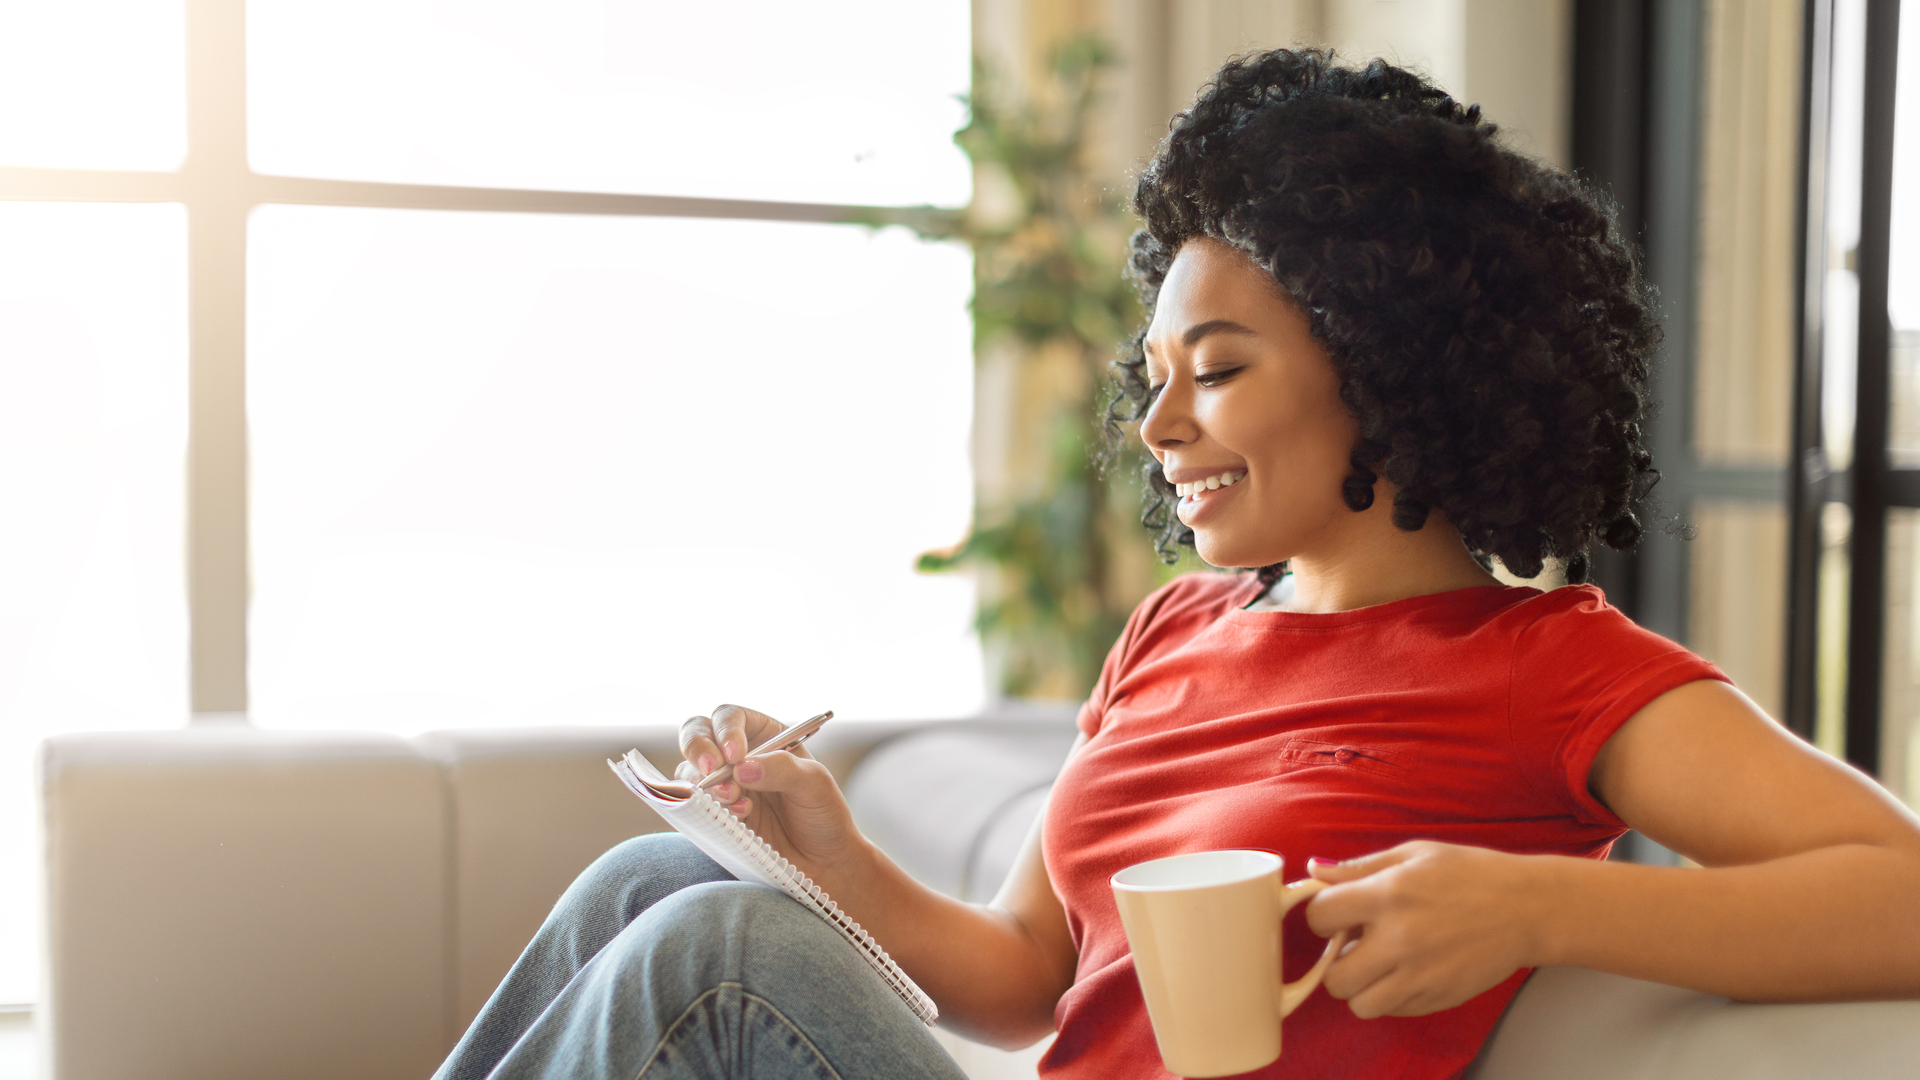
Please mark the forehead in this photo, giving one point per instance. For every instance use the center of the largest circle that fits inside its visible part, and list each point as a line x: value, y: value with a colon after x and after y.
x: 1212, y: 280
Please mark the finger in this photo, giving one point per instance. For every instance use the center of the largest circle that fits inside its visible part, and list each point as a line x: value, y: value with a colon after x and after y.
x: 778, y: 771
x: 1354, y: 869
x: 1390, y: 995
x: 738, y: 730
x: 740, y: 808
x: 1346, y: 907
x: 698, y: 745
x: 1356, y: 969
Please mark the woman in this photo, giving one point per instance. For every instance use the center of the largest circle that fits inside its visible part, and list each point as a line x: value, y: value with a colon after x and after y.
x: 1382, y: 350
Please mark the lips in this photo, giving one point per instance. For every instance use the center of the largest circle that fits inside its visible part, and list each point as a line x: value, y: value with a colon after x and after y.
x: 1198, y: 495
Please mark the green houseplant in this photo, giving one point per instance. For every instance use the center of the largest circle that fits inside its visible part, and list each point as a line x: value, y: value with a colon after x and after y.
x: 1061, y: 558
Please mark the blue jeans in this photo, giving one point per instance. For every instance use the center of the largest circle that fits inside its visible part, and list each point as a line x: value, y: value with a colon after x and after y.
x: 657, y: 965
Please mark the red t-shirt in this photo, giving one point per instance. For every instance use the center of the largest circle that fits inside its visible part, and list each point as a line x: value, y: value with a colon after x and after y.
x: 1470, y: 717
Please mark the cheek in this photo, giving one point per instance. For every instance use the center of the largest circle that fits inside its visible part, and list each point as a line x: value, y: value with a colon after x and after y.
x: 1314, y: 450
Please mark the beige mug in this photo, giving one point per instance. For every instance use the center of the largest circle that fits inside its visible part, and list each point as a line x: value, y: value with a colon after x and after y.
x: 1205, y: 933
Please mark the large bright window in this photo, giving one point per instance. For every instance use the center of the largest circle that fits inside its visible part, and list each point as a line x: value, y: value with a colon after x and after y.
x: 93, y: 412
x: 93, y: 84
x: 853, y: 101
x: 537, y: 374
x: 521, y: 468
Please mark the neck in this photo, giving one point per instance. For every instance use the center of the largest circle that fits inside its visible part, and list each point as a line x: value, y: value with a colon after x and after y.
x: 1374, y: 566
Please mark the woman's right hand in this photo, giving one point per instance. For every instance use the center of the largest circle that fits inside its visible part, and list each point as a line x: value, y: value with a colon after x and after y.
x: 786, y: 797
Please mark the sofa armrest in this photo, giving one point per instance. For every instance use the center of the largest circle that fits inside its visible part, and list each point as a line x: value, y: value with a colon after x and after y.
x: 237, y: 903
x: 1576, y: 1024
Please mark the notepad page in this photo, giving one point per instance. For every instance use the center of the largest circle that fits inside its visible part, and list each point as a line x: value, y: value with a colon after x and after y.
x: 728, y: 841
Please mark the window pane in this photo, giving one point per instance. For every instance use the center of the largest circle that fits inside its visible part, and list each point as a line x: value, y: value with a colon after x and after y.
x: 531, y: 469
x: 843, y: 101
x: 1900, y: 681
x: 1903, y: 283
x: 1747, y: 283
x: 93, y: 84
x: 1737, y: 604
x: 1903, y: 269
x: 1830, y: 659
x: 1840, y: 302
x: 93, y: 410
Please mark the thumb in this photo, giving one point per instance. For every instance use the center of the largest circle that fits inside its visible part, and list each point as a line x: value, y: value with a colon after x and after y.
x: 1334, y: 873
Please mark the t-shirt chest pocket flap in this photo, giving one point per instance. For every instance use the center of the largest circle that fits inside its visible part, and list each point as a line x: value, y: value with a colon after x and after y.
x: 1301, y: 752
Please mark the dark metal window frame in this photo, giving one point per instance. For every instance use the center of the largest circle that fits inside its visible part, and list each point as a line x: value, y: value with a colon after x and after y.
x: 1638, y: 66
x: 219, y: 190
x: 1876, y: 485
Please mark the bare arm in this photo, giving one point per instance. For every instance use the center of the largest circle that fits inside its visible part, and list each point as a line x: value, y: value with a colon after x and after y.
x: 1811, y: 889
x: 1814, y: 892
x: 996, y: 970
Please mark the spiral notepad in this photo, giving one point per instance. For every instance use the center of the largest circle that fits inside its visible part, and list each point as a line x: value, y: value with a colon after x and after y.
x: 728, y: 841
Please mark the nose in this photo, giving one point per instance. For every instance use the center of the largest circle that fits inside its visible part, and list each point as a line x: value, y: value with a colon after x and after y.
x: 1169, y: 420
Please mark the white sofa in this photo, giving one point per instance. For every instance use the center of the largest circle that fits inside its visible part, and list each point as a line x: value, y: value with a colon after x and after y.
x: 238, y: 903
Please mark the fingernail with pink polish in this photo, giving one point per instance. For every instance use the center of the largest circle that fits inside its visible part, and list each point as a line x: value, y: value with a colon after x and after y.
x: 728, y: 750
x: 748, y: 771
x: 706, y: 764
x: 1318, y: 861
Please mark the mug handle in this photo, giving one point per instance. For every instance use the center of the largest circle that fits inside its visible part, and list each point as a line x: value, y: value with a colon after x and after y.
x: 1295, y: 992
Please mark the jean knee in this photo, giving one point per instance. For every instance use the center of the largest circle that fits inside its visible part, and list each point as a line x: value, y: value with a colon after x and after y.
x: 737, y: 907
x: 635, y: 874
x: 723, y: 928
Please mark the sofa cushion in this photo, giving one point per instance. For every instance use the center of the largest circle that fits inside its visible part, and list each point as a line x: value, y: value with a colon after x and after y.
x: 952, y: 803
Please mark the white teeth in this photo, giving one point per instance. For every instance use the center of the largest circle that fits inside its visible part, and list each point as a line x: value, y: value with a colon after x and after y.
x: 1211, y: 483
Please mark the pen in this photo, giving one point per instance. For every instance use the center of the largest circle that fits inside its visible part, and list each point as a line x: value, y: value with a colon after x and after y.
x: 786, y: 740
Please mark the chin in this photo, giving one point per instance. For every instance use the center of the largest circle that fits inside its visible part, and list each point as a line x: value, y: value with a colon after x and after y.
x: 1229, y: 556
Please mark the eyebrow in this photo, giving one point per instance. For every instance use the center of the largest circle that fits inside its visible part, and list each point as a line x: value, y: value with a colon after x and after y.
x: 1211, y: 326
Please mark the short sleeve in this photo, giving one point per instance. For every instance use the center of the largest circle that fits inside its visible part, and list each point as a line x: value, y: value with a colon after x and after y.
x: 1580, y: 671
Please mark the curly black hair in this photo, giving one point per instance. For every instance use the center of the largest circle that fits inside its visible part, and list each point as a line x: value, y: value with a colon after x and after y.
x: 1488, y: 321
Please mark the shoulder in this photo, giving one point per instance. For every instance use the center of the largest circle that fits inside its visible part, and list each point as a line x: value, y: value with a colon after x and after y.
x: 1579, y: 617
x: 1580, y: 670
x: 1199, y: 597
x: 1577, y: 659
x: 1182, y: 608
x: 1168, y: 617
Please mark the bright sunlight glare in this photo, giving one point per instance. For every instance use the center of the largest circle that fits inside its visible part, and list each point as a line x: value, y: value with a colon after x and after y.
x: 853, y: 101
x: 519, y: 469
x: 93, y: 84
x: 93, y: 431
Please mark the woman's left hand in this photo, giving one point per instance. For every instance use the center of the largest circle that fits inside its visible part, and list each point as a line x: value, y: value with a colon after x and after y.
x: 1436, y: 924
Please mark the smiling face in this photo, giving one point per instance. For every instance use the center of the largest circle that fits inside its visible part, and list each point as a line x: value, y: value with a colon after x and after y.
x: 1247, y: 421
